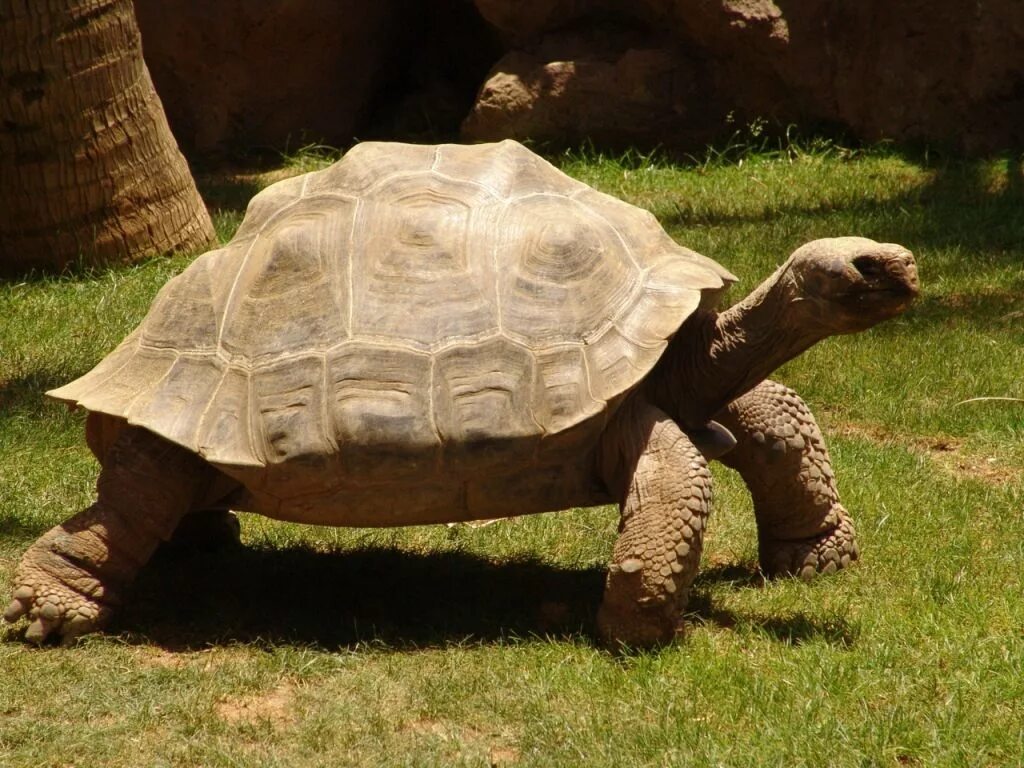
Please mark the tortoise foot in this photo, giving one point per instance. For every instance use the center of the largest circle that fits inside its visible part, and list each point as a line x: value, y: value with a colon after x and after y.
x: 637, y: 626
x: 633, y: 617
x: 825, y: 553
x: 58, y: 590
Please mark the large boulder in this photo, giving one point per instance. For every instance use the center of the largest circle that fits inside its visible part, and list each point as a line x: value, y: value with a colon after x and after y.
x: 932, y: 71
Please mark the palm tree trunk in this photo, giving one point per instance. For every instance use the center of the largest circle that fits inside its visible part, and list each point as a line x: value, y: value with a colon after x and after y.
x: 89, y: 170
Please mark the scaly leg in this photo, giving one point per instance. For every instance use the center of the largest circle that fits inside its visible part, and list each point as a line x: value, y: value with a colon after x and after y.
x: 781, y: 455
x: 657, y: 553
x: 205, y: 529
x: 71, y: 579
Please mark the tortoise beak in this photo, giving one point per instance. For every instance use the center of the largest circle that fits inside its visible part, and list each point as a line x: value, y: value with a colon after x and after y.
x: 885, y: 279
x: 857, y: 282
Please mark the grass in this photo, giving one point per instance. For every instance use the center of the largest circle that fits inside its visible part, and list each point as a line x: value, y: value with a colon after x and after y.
x: 473, y: 646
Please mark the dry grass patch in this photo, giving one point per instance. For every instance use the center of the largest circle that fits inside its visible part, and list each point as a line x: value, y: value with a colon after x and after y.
x: 275, y: 707
x: 953, y: 455
x: 161, y: 659
x: 207, y: 659
x: 464, y: 742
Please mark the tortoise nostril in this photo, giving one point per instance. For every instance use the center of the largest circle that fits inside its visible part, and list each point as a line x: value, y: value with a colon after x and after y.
x: 868, y: 266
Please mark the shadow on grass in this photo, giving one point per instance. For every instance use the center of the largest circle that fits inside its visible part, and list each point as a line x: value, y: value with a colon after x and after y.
x: 187, y: 600
x: 958, y: 207
x: 792, y: 628
x: 230, y: 190
x: 19, y: 533
x: 799, y: 628
x: 27, y: 394
x: 994, y: 310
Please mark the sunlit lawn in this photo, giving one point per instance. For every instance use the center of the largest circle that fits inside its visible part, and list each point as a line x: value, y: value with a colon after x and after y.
x: 474, y: 646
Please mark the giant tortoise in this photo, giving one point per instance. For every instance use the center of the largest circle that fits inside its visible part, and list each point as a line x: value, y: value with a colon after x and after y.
x: 424, y: 334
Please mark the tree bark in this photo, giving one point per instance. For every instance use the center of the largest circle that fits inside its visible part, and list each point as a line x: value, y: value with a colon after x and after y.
x: 89, y: 171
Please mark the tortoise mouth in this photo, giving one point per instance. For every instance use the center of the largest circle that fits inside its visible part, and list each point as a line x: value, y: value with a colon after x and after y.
x: 905, y: 293
x: 871, y: 303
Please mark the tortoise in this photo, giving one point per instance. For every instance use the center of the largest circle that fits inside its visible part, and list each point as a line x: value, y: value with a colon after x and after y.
x: 424, y: 334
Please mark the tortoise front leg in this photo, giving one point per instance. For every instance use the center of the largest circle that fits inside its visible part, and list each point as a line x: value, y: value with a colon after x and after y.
x: 657, y: 553
x: 802, y: 527
x: 71, y: 579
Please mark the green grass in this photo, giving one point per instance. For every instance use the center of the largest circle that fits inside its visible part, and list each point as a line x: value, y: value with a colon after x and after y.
x: 443, y: 646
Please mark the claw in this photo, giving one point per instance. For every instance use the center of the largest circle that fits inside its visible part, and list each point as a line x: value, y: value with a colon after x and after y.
x: 24, y: 592
x: 64, y: 586
x: 75, y: 627
x: 20, y: 604
x: 16, y: 610
x: 40, y: 629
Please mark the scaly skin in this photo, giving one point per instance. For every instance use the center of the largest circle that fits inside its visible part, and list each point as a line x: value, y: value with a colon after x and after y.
x: 71, y: 579
x: 664, y: 512
x: 803, y: 529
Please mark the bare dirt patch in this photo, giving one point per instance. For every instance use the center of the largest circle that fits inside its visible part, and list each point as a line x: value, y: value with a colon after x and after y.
x: 466, y: 739
x: 158, y: 657
x: 950, y: 453
x: 501, y: 757
x: 275, y: 707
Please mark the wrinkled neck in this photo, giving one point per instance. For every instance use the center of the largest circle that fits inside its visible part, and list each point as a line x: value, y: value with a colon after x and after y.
x: 716, y: 357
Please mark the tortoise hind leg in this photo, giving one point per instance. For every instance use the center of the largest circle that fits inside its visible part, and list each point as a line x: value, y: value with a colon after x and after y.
x: 664, y: 511
x: 207, y: 529
x: 803, y: 529
x: 71, y: 579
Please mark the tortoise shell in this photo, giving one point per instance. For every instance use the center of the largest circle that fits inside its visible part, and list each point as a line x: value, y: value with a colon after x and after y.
x: 409, y: 310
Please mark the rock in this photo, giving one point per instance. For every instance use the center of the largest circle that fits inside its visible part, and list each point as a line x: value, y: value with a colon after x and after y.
x: 932, y: 72
x: 635, y: 96
x: 938, y: 72
x: 280, y: 73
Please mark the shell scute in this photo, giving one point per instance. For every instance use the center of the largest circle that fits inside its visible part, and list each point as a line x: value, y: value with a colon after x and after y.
x: 562, y: 373
x: 287, y: 292
x: 559, y: 261
x: 475, y: 388
x: 615, y: 363
x: 415, y: 277
x: 267, y: 204
x: 183, y: 316
x: 376, y: 394
x: 173, y: 407
x: 225, y: 430
x: 288, y: 410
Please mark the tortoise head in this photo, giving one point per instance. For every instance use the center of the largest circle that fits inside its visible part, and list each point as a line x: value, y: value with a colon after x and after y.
x: 848, y: 284
x: 826, y: 287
